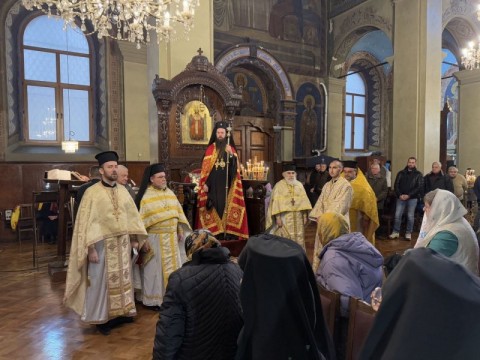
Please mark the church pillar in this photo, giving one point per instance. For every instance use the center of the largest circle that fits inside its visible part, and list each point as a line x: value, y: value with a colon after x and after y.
x: 336, y: 89
x: 468, y: 146
x: 170, y: 59
x: 417, y: 83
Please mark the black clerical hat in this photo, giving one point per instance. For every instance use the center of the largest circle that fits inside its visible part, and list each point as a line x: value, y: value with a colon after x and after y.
x: 106, y: 156
x: 349, y: 164
x: 221, y: 125
x: 289, y: 167
x: 156, y: 168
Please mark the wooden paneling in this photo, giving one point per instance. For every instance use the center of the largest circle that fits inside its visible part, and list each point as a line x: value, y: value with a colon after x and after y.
x: 19, y: 180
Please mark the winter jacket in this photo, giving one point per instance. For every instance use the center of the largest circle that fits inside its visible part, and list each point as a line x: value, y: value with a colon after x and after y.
x: 351, y: 266
x: 200, y: 317
x: 409, y: 183
x: 437, y: 181
x: 380, y: 188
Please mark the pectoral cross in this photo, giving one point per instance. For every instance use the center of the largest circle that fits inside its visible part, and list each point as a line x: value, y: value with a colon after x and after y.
x: 293, y: 201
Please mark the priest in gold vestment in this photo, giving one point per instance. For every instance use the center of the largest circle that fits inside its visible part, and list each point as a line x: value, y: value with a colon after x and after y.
x: 289, y: 207
x: 363, y: 210
x: 167, y: 228
x: 336, y: 197
x: 99, y: 282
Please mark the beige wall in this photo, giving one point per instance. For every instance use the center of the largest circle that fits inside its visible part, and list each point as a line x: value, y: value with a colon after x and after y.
x: 136, y: 92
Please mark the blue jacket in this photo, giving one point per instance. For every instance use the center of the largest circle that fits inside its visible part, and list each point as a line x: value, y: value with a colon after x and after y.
x: 351, y: 266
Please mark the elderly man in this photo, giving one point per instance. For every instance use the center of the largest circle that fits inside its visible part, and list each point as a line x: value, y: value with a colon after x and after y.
x: 289, y: 207
x: 336, y: 197
x: 379, y: 186
x: 122, y: 179
x: 363, y: 210
x: 459, y: 182
x: 99, y: 280
x: 437, y: 180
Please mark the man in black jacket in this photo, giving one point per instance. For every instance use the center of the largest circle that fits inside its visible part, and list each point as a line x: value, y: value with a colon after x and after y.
x: 436, y: 179
x: 408, y: 189
x: 201, y: 317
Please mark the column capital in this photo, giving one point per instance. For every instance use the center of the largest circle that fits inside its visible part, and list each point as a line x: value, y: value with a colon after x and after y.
x: 468, y: 76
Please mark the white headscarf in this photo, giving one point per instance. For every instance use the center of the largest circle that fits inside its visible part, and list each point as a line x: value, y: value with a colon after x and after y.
x: 446, y: 214
x: 445, y: 209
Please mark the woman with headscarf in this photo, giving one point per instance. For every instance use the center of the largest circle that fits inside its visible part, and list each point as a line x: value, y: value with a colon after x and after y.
x: 282, y: 312
x: 430, y: 310
x: 445, y: 230
x: 200, y: 316
x: 349, y: 264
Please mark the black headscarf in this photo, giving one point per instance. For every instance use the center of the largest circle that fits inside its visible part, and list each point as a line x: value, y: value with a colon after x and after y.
x: 430, y: 310
x: 147, y: 174
x: 281, y: 306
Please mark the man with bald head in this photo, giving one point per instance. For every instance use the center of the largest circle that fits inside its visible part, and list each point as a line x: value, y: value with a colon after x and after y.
x: 336, y: 196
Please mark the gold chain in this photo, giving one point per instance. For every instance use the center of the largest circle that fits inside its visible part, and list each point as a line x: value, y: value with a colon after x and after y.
x: 291, y: 190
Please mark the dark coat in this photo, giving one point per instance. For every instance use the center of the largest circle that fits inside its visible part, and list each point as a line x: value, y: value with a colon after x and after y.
x: 430, y: 310
x: 281, y: 305
x: 409, y: 183
x: 200, y: 316
x: 380, y: 188
x: 439, y: 181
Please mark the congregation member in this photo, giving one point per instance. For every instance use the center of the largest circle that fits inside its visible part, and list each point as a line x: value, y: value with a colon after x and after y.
x: 436, y: 179
x: 283, y: 316
x: 201, y: 317
x: 99, y: 280
x: 379, y: 186
x: 408, y: 189
x: 48, y: 216
x: 363, y: 211
x: 336, y: 196
x: 289, y: 207
x: 221, y: 213
x: 459, y: 182
x: 317, y: 180
x: 94, y: 177
x: 166, y: 224
x: 349, y: 265
x: 430, y: 310
x: 123, y: 180
x: 445, y: 230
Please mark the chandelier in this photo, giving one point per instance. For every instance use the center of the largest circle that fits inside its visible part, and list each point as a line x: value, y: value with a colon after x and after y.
x: 471, y: 56
x: 130, y: 20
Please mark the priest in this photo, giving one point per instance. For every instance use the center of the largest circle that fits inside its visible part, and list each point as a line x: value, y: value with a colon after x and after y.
x: 289, y: 206
x: 221, y: 205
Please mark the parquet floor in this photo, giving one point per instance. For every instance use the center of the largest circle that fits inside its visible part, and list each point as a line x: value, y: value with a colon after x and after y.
x: 35, y: 325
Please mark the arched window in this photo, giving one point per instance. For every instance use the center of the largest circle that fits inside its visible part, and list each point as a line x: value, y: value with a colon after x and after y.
x: 56, y: 82
x: 355, y: 113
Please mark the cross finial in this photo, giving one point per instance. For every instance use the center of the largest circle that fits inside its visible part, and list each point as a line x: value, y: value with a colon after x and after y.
x: 200, y: 51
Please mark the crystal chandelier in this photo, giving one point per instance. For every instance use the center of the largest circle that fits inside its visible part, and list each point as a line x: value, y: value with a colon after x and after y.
x: 130, y: 20
x: 471, y: 56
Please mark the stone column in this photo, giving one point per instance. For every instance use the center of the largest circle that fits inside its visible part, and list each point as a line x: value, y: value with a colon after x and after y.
x: 336, y: 91
x: 416, y: 83
x: 468, y: 146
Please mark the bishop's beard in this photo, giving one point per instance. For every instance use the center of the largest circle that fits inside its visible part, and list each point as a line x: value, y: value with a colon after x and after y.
x: 220, y: 145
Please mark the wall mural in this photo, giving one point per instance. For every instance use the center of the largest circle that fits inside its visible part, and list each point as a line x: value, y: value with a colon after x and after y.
x: 252, y: 95
x: 310, y: 124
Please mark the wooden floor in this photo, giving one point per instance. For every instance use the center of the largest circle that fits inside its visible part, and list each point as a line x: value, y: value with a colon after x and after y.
x: 35, y: 325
